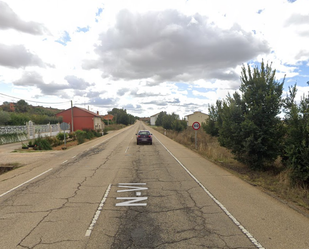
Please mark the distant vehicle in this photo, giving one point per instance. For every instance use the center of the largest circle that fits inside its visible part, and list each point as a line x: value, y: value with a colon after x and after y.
x: 144, y: 137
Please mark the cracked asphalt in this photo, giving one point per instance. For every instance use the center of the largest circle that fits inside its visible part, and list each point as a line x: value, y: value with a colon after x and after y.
x: 56, y: 209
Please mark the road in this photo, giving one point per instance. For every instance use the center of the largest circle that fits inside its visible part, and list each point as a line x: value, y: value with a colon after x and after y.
x: 112, y: 193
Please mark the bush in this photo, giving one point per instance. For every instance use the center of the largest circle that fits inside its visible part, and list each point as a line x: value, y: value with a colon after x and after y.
x: 42, y: 144
x: 80, y: 135
x: 72, y: 136
x: 54, y: 141
x: 60, y: 136
x: 89, y: 134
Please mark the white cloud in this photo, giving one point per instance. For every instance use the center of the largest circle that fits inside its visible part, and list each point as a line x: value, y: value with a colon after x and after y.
x: 135, y: 54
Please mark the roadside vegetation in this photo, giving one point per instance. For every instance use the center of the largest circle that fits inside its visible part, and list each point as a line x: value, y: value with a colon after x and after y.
x: 58, y: 142
x: 24, y: 113
x: 259, y: 135
x: 275, y: 180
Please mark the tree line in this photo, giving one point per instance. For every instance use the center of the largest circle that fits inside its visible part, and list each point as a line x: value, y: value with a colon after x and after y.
x: 122, y: 117
x: 171, y: 122
x: 259, y: 125
x: 24, y: 113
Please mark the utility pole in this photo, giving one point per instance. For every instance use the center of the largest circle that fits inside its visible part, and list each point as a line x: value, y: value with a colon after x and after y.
x: 72, y: 115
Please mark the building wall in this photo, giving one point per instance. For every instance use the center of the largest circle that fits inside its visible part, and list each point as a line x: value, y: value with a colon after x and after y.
x: 153, y: 119
x: 98, y: 123
x: 81, y: 119
x: 196, y: 117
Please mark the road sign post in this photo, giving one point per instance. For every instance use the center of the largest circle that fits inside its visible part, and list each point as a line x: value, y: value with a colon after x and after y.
x: 196, y: 126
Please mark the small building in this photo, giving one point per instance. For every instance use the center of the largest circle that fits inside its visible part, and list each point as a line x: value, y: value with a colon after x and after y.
x: 196, y: 117
x: 82, y: 119
x: 153, y: 119
x: 108, y: 117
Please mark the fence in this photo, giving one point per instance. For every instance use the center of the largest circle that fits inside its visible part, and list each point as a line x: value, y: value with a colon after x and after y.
x: 11, y: 134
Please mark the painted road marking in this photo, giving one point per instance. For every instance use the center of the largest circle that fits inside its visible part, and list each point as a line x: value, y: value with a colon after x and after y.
x: 236, y: 222
x: 126, y: 150
x: 64, y: 162
x: 25, y: 182
x: 98, y: 212
x: 132, y: 201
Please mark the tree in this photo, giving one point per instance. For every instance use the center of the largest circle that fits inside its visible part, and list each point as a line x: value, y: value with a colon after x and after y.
x: 295, y: 153
x: 159, y: 121
x: 121, y: 116
x: 179, y: 125
x: 21, y: 106
x: 262, y: 129
x: 210, y: 126
x: 4, y: 118
x: 248, y: 122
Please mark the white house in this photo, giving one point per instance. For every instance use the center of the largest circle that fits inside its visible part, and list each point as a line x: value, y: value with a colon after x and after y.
x: 153, y: 119
x: 196, y: 117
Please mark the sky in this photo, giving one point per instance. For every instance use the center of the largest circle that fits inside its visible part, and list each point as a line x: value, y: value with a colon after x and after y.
x: 146, y: 56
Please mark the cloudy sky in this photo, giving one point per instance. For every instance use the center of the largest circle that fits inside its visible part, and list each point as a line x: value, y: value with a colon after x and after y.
x: 146, y: 56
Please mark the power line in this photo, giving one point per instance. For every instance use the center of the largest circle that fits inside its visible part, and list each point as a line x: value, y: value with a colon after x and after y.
x: 39, y: 102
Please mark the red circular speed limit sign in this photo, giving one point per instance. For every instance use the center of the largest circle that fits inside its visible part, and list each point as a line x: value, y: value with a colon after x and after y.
x: 196, y: 125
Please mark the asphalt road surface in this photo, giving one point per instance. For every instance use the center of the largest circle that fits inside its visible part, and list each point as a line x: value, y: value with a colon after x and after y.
x: 113, y: 193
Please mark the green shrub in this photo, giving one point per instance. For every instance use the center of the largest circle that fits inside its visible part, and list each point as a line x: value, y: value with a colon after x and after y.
x: 89, y: 134
x: 60, y: 136
x: 80, y: 135
x: 42, y: 144
x: 54, y: 141
x: 72, y: 136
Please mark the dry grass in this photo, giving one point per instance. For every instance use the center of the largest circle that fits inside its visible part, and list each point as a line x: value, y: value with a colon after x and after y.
x: 275, y: 180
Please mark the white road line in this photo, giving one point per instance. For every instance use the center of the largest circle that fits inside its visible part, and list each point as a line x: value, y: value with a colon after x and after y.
x: 64, y: 162
x: 126, y: 150
x: 25, y: 182
x: 74, y: 156
x: 236, y: 222
x: 98, y: 212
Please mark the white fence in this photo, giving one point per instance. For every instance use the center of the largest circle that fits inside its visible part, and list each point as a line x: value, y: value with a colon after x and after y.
x: 27, y: 132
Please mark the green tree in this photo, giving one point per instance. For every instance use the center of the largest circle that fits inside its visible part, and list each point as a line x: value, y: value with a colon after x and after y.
x: 159, y: 121
x: 18, y: 118
x: 4, y: 118
x: 248, y: 122
x: 296, y: 144
x: 121, y: 116
x: 262, y: 129
x: 21, y: 106
x: 179, y: 125
x: 211, y: 125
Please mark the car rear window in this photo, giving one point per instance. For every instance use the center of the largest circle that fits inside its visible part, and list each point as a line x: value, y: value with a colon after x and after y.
x: 144, y: 133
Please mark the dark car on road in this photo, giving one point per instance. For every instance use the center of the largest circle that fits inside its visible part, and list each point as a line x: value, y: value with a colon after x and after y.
x: 144, y: 137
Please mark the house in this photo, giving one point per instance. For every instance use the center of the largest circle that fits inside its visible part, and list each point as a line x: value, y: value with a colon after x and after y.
x: 108, y: 117
x: 196, y: 117
x: 82, y: 119
x: 153, y: 119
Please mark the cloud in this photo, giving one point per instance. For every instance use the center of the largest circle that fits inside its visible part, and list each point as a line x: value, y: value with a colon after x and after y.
x: 102, y: 101
x: 9, y: 20
x: 297, y: 19
x: 77, y: 83
x: 17, y: 56
x: 167, y: 45
x: 29, y: 79
x: 163, y: 102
